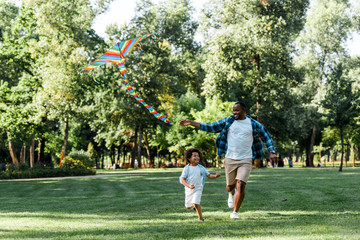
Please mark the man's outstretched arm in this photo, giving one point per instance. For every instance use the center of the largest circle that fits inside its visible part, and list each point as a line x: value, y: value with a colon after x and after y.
x: 187, y: 122
x: 207, y: 127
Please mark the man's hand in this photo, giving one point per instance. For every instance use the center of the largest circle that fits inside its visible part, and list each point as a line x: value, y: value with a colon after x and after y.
x: 273, y: 156
x: 192, y: 186
x: 217, y: 175
x: 185, y: 122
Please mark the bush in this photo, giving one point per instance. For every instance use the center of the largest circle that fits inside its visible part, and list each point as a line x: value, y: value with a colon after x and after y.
x: 83, y: 157
x: 23, y: 167
x: 2, y: 167
x: 69, y: 162
x: 45, y: 172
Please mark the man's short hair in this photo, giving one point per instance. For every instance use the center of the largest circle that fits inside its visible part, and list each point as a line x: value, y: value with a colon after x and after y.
x: 242, y: 104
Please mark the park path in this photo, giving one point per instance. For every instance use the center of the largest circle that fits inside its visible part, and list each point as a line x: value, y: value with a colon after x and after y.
x: 69, y: 177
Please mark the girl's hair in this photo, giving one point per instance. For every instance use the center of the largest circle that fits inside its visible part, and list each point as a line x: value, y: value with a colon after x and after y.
x: 189, y: 152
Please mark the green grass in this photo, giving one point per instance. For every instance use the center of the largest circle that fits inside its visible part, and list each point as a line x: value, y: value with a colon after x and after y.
x: 297, y: 203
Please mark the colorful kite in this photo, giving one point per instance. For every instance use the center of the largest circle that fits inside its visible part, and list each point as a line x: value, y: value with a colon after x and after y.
x: 117, y: 55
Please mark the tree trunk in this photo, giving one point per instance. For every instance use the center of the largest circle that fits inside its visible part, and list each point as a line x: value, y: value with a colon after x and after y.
x: 347, y: 156
x: 32, y: 153
x: 139, y: 148
x: 102, y: 160
x: 307, y: 158
x: 157, y: 156
x: 14, y: 159
x: 23, y: 154
x: 124, y: 156
x: 353, y: 155
x: 66, y: 135
x: 118, y: 153
x: 146, y: 144
x: 258, y: 81
x: 296, y: 156
x: 342, y: 149
x: 133, y: 152
x: 41, y: 151
x: 312, y: 143
x: 112, y: 155
x: 169, y: 159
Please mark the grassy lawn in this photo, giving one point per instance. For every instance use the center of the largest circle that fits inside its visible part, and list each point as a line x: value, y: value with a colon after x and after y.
x: 297, y: 203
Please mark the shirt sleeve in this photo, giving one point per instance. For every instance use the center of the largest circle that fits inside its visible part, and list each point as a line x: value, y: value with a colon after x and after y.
x: 184, y: 174
x: 213, y: 127
x: 266, y: 137
x: 204, y: 171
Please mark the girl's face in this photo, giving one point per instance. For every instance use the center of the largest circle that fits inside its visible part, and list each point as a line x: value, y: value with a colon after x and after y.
x: 195, y: 158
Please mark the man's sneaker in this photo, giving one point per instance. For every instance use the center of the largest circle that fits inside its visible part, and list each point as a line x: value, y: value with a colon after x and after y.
x: 231, y: 199
x: 234, y: 215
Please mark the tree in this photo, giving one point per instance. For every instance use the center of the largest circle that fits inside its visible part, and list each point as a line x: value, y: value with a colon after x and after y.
x: 159, y: 73
x: 340, y: 102
x: 59, y: 54
x: 249, y: 48
x: 322, y: 41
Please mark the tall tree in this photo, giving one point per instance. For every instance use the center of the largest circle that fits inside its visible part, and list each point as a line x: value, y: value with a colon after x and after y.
x: 249, y: 49
x: 322, y: 42
x: 160, y: 72
x: 59, y: 54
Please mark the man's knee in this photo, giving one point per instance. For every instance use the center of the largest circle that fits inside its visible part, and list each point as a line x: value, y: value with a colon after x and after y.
x: 230, y: 188
x: 240, y: 185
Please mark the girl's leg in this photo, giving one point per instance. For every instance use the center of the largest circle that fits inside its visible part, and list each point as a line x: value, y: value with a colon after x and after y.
x: 198, y: 210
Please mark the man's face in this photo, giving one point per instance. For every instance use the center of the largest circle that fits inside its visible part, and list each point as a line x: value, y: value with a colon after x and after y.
x: 238, y: 111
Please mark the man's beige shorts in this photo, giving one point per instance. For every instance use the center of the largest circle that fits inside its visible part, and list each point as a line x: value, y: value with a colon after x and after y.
x: 237, y: 170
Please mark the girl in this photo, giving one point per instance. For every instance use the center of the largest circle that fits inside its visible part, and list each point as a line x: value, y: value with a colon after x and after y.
x: 193, y: 178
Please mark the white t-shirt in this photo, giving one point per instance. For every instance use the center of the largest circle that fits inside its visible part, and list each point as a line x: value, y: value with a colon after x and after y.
x: 240, y: 140
x: 194, y: 177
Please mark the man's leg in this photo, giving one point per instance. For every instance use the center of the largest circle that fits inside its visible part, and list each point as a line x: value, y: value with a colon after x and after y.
x: 240, y: 194
x: 230, y: 188
x: 230, y: 173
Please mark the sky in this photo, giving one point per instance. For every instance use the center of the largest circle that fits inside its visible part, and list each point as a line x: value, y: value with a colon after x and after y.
x: 121, y: 11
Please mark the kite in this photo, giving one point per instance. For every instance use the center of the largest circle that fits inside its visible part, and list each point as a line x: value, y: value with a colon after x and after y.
x: 117, y: 55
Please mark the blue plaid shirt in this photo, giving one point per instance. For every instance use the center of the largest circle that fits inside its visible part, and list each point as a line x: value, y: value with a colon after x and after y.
x: 259, y: 134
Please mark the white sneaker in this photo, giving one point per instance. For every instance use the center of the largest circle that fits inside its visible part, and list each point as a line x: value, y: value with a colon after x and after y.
x: 234, y: 215
x: 231, y: 200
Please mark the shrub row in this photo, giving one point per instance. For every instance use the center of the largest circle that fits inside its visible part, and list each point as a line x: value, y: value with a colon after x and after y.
x: 45, y: 172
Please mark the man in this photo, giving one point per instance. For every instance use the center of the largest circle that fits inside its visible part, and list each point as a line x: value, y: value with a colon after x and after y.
x: 240, y: 140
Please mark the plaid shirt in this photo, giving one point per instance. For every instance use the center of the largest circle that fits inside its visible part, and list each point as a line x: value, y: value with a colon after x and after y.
x: 259, y: 134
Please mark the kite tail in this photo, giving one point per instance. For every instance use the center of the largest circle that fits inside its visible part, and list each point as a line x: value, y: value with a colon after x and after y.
x: 150, y: 108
